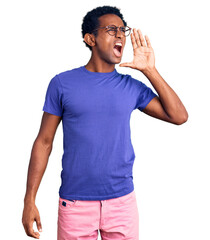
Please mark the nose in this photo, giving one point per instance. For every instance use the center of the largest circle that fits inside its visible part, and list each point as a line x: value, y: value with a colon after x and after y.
x: 118, y: 31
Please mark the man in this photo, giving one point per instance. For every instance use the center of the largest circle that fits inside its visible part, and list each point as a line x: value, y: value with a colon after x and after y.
x: 94, y: 103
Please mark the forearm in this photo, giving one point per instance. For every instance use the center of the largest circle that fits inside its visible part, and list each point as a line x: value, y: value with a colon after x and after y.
x: 38, y: 163
x: 168, y: 98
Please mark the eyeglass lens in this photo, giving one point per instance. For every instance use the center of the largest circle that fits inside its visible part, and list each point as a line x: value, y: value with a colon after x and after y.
x: 112, y: 30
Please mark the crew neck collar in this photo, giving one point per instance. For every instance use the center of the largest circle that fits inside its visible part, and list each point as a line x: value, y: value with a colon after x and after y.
x: 108, y: 74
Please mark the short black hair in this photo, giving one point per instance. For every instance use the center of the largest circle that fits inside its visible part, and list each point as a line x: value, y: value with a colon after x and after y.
x: 91, y: 22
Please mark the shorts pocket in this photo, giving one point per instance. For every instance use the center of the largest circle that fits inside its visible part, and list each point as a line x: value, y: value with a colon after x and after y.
x: 65, y: 204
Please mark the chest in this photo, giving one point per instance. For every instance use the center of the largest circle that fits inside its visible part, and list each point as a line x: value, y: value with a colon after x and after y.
x: 104, y: 99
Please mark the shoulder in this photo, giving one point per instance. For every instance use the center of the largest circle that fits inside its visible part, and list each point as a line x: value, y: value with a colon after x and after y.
x: 124, y: 77
x: 68, y: 76
x: 132, y: 81
x: 69, y: 73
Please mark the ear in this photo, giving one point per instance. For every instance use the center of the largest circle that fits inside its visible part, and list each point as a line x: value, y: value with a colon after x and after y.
x: 89, y: 39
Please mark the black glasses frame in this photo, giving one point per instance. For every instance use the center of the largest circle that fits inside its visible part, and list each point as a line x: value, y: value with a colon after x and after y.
x: 115, y: 28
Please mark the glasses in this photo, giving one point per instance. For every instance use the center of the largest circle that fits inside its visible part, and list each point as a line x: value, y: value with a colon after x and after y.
x: 112, y: 30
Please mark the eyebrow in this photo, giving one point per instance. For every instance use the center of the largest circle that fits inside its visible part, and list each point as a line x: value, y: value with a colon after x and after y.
x: 115, y: 25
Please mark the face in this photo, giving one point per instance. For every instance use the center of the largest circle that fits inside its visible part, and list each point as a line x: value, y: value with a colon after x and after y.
x: 105, y: 44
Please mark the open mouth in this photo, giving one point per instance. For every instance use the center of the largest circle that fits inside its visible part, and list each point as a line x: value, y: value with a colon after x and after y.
x: 118, y: 49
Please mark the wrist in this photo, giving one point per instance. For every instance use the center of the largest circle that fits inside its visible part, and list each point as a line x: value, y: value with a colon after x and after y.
x: 29, y: 199
x: 149, y: 70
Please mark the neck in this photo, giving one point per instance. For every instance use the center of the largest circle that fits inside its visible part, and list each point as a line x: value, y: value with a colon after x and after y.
x: 96, y: 64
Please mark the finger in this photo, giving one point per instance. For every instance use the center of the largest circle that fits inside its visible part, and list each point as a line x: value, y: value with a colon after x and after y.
x: 148, y: 41
x: 30, y: 232
x: 133, y: 41
x: 126, y: 64
x: 137, y: 37
x: 38, y: 224
x: 141, y: 38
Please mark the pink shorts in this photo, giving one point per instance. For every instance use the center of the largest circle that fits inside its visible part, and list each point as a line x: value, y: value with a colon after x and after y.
x: 115, y: 218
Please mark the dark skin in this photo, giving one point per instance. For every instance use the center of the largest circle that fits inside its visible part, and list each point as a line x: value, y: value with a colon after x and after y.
x: 41, y: 150
x: 167, y: 106
x: 103, y: 58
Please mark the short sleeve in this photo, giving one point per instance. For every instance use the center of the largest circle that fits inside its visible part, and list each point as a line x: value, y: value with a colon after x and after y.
x: 53, y: 97
x: 145, y: 95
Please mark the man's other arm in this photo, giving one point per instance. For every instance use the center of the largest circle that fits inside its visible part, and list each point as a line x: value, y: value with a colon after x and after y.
x: 40, y: 153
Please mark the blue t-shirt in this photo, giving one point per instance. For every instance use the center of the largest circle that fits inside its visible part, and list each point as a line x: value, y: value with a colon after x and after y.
x: 95, y: 108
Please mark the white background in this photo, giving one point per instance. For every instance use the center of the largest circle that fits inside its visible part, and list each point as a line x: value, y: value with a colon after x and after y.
x: 171, y: 171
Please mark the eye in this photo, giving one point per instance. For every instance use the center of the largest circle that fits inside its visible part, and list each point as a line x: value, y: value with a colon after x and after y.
x: 124, y: 29
x: 112, y: 27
